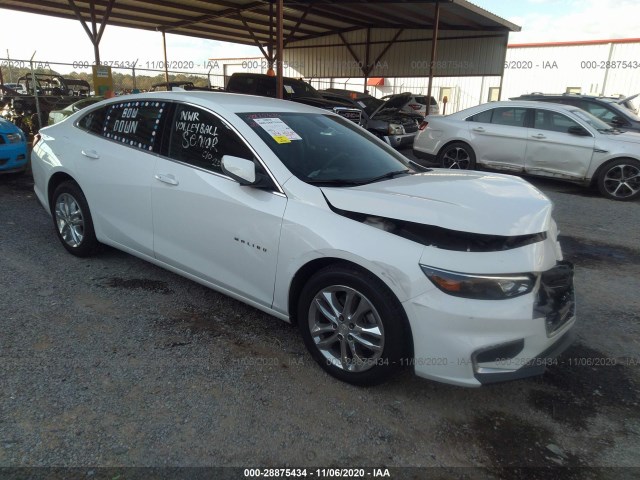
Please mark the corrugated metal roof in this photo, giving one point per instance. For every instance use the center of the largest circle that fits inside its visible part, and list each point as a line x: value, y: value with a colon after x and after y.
x: 248, y: 21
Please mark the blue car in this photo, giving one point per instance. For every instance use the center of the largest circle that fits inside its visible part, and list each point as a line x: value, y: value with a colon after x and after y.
x: 13, y: 148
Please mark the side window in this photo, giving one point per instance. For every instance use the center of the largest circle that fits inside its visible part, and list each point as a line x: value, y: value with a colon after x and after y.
x: 135, y: 123
x: 553, y: 121
x: 242, y: 84
x: 511, y: 116
x: 482, y: 117
x: 266, y: 87
x: 600, y: 111
x: 94, y: 121
x: 201, y: 139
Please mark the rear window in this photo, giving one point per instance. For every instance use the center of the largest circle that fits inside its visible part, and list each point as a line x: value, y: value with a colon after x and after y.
x: 422, y: 100
x: 94, y: 120
x: 135, y: 124
x: 510, y: 116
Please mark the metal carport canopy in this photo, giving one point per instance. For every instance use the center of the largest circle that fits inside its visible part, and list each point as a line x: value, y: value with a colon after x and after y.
x: 320, y: 38
x: 306, y: 23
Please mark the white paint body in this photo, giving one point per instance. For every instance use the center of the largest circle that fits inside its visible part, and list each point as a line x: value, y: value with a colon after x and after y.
x: 249, y: 243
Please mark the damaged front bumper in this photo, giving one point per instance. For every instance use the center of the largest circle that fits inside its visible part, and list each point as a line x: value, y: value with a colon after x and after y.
x: 476, y: 342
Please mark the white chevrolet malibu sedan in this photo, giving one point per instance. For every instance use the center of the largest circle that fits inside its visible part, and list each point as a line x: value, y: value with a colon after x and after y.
x: 302, y: 214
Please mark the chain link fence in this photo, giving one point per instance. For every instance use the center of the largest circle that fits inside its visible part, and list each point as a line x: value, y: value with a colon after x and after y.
x: 126, y: 78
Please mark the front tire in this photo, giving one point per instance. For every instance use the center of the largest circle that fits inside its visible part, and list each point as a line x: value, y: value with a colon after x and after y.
x: 457, y: 155
x: 353, y: 325
x: 620, y: 180
x: 72, y: 220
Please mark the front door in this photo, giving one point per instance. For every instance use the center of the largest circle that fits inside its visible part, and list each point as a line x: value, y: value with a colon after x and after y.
x: 205, y: 223
x: 553, y: 151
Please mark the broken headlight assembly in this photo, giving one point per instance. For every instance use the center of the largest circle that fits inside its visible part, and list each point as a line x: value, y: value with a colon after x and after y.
x: 480, y: 287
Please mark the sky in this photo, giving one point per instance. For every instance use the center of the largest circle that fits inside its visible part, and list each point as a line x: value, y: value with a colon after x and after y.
x: 60, y: 40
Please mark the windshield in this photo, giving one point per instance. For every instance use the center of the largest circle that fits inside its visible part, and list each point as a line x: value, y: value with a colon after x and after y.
x: 595, y: 122
x: 369, y: 104
x: 625, y: 111
x: 296, y: 89
x: 326, y: 149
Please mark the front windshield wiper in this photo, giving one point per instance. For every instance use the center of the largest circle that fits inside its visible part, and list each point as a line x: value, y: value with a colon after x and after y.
x: 385, y: 176
x: 337, y: 182
x: 334, y: 182
x: 609, y: 130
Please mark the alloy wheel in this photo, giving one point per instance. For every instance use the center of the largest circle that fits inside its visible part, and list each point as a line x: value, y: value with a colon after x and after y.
x: 346, y: 329
x: 69, y: 220
x: 456, y: 158
x: 622, y: 181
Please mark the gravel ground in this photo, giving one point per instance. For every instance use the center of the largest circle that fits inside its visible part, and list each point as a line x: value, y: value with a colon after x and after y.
x: 113, y: 362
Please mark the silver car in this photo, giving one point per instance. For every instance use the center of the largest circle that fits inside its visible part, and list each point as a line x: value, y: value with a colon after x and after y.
x: 537, y: 138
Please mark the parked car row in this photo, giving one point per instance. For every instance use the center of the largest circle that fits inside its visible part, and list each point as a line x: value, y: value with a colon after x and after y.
x: 538, y: 138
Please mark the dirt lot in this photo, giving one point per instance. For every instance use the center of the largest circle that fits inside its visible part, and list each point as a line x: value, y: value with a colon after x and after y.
x: 113, y: 362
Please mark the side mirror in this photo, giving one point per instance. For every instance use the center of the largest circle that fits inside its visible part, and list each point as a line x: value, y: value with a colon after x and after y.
x: 618, y: 121
x: 575, y: 130
x: 244, y: 172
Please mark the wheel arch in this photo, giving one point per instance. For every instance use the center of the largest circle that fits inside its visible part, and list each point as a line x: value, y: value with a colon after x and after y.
x: 306, y: 271
x: 452, y: 141
x: 55, y: 180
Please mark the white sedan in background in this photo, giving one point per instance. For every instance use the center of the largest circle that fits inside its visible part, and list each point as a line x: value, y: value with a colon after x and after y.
x: 306, y: 216
x: 536, y: 138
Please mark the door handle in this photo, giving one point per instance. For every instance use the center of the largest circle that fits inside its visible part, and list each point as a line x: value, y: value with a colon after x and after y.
x: 90, y: 153
x: 166, y: 178
x: 478, y: 129
x: 539, y: 135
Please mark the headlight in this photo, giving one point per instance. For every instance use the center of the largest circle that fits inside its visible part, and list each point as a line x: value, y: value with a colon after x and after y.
x: 480, y: 287
x: 396, y: 129
x: 14, y: 138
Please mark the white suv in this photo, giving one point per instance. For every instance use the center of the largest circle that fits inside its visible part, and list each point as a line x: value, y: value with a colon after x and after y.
x: 418, y: 104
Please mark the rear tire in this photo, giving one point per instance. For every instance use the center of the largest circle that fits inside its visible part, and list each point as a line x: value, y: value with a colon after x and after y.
x: 457, y: 155
x: 72, y: 220
x: 620, y: 180
x: 353, y: 325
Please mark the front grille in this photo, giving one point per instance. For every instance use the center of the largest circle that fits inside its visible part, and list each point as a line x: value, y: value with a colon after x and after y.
x: 410, y: 127
x: 352, y: 114
x: 556, y: 300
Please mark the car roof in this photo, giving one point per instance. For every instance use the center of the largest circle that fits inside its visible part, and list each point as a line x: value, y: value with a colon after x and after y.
x: 530, y: 104
x: 514, y: 103
x: 568, y: 95
x: 231, y: 102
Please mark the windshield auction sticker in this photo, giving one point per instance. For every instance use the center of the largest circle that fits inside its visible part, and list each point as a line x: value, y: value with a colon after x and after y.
x: 278, y: 130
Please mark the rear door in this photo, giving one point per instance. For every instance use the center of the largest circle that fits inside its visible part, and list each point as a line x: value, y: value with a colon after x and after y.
x: 499, y: 137
x: 116, y: 164
x: 553, y: 151
x: 206, y: 224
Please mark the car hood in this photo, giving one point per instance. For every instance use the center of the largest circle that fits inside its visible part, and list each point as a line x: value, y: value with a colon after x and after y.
x: 317, y: 102
x: 7, y: 127
x: 626, y: 136
x: 474, y: 202
x: 393, y: 105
